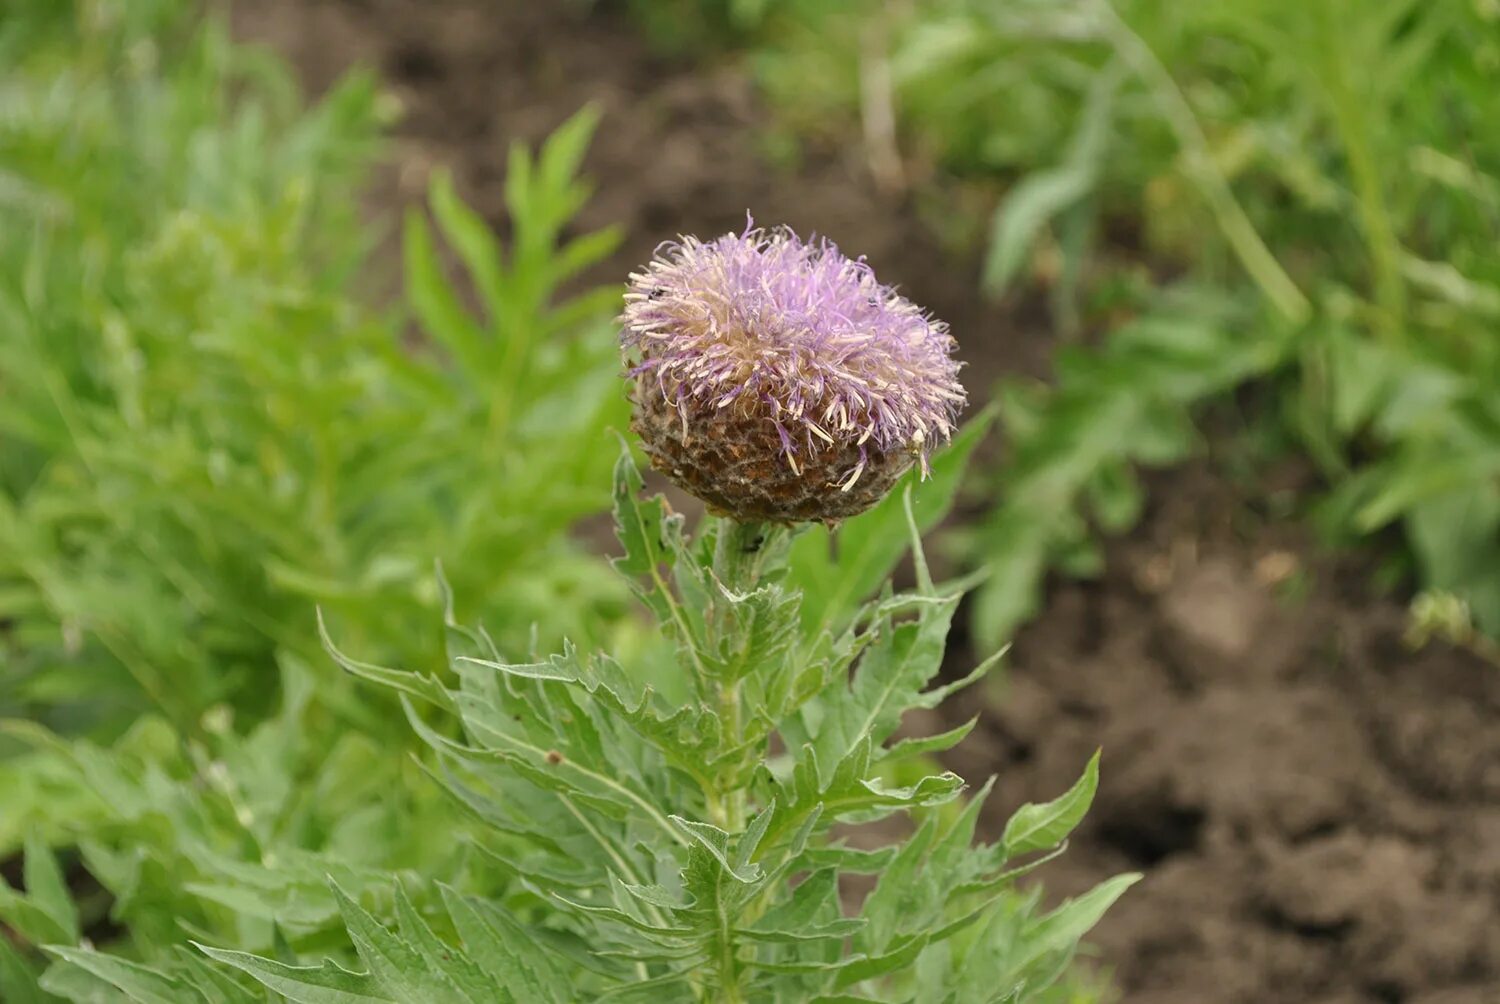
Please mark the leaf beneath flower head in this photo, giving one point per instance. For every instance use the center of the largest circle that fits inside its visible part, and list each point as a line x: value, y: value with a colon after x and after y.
x: 837, y: 570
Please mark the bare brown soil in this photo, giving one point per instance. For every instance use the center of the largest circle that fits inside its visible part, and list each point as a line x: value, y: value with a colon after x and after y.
x: 1316, y: 808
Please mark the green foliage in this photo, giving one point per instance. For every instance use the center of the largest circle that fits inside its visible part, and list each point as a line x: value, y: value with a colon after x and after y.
x: 1321, y: 143
x: 234, y: 835
x: 1075, y: 446
x: 494, y: 960
x: 654, y: 845
x: 203, y: 434
x: 206, y: 434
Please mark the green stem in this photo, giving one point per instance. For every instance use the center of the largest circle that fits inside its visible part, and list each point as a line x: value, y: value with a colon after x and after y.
x: 739, y: 561
x: 1243, y: 238
x: 1374, y: 213
x: 729, y: 982
x: 742, y: 551
x: 732, y: 800
x: 742, y: 554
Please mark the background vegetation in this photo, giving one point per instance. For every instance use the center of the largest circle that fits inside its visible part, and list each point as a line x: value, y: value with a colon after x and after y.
x: 209, y: 429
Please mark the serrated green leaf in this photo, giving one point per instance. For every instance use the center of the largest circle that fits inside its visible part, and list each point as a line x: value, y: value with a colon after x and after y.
x: 137, y: 982
x: 1036, y: 827
x: 638, y: 524
x: 687, y: 735
x: 557, y: 773
x: 849, y: 860
x: 325, y: 984
x: 749, y: 841
x: 716, y: 842
x: 1060, y: 930
x: 849, y: 791
x: 397, y: 967
x: 504, y: 950
x: 869, y: 546
x: 664, y: 934
x: 891, y: 674
x: 858, y: 969
x: 658, y: 896
x: 757, y: 632
x: 907, y: 749
x: 417, y: 685
x: 652, y: 538
x: 213, y: 983
x: 901, y: 900
x: 442, y: 959
x: 811, y: 913
x: 650, y: 986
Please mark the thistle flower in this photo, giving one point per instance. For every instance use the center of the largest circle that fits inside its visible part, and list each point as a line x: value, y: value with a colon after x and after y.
x: 778, y: 380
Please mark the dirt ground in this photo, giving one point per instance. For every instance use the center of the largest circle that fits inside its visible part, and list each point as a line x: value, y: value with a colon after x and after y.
x: 1316, y: 808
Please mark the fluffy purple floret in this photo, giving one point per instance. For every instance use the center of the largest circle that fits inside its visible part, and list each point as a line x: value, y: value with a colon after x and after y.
x: 795, y: 334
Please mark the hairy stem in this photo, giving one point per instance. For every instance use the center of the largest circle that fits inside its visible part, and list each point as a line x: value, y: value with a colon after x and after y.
x: 743, y: 553
x: 739, y: 562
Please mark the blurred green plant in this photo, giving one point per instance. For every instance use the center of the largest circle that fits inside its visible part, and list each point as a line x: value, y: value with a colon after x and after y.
x: 204, y: 434
x: 1338, y: 150
x: 1333, y: 168
x: 1076, y: 446
x: 229, y: 836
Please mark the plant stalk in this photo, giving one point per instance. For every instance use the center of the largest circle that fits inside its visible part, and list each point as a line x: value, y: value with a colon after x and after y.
x: 1244, y: 240
x: 741, y: 557
x: 739, y: 562
x: 1352, y: 124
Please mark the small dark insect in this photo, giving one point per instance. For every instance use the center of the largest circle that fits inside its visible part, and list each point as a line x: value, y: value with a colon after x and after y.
x: 752, y: 546
x: 656, y: 293
x: 554, y: 757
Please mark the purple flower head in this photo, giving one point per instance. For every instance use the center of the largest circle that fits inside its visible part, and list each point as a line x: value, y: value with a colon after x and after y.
x: 760, y: 346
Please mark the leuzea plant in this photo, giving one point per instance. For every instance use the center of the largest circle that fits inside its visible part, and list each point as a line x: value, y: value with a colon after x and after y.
x: 702, y: 833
